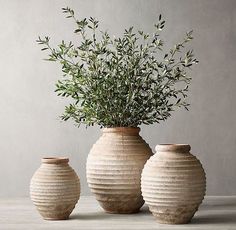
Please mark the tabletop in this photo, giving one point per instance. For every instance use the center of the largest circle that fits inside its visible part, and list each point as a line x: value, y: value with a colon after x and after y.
x: 19, y: 213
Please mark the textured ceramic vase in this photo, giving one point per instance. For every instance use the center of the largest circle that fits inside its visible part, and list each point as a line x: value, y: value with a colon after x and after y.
x: 114, y: 167
x: 55, y: 189
x: 173, y: 184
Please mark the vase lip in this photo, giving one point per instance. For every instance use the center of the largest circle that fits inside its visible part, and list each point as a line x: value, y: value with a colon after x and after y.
x: 55, y: 160
x: 173, y: 148
x: 129, y: 130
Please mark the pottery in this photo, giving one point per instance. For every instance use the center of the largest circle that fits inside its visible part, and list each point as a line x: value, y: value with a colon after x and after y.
x: 173, y: 184
x: 55, y: 189
x: 114, y: 167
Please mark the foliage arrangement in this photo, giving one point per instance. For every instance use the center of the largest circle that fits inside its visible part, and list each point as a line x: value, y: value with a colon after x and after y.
x: 120, y: 81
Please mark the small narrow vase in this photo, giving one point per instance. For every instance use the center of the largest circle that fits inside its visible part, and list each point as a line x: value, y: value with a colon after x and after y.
x: 114, y: 167
x: 55, y: 189
x: 173, y: 184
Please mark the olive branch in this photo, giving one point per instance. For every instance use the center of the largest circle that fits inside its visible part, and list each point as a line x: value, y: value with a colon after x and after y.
x: 120, y: 81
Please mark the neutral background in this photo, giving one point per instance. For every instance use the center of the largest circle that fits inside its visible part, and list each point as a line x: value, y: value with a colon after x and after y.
x: 29, y: 108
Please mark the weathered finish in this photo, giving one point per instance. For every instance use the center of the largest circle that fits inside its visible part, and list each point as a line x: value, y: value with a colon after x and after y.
x: 216, y: 213
x: 114, y: 167
x: 55, y: 189
x: 173, y: 184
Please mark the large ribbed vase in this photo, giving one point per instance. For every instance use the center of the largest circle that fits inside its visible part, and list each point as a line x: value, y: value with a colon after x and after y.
x: 55, y: 189
x: 114, y: 167
x: 173, y: 184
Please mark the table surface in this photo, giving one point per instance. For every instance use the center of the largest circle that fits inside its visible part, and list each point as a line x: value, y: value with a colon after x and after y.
x: 19, y: 213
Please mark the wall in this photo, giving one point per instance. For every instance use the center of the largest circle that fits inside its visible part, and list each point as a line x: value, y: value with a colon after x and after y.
x: 29, y: 123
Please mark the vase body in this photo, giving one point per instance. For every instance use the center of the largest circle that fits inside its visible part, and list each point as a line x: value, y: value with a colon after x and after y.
x: 173, y: 184
x: 55, y: 189
x: 114, y: 167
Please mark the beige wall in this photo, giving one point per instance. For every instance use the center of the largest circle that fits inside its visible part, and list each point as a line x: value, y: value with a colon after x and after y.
x: 29, y: 124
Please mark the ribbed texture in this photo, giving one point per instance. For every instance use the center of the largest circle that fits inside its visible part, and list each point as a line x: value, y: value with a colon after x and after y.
x: 114, y: 167
x: 173, y: 185
x: 55, y: 190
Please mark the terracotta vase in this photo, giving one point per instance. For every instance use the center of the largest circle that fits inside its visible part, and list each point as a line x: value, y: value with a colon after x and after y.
x: 55, y: 189
x: 114, y: 167
x: 173, y: 184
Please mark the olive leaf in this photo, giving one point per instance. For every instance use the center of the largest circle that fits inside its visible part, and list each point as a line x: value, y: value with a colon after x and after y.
x: 120, y: 81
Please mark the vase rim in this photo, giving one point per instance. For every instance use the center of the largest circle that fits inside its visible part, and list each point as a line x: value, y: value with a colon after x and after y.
x: 55, y: 160
x: 173, y: 147
x: 130, y: 130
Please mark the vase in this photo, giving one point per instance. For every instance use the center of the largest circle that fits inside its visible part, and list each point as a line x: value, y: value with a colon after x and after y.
x: 114, y: 167
x: 55, y: 189
x: 173, y: 184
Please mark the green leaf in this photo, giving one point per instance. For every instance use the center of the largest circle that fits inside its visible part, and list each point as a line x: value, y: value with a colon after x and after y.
x: 122, y: 81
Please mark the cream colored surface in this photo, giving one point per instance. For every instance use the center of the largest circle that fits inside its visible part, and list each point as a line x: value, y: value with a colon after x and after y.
x: 216, y: 213
x: 173, y: 184
x: 55, y: 189
x: 114, y: 167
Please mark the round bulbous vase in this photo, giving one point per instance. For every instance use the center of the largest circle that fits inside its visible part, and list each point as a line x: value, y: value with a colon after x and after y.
x: 173, y: 184
x: 114, y: 167
x: 55, y: 189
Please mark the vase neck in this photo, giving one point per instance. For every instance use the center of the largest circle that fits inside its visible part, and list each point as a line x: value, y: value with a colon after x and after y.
x: 55, y: 160
x: 178, y: 148
x: 129, y: 131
